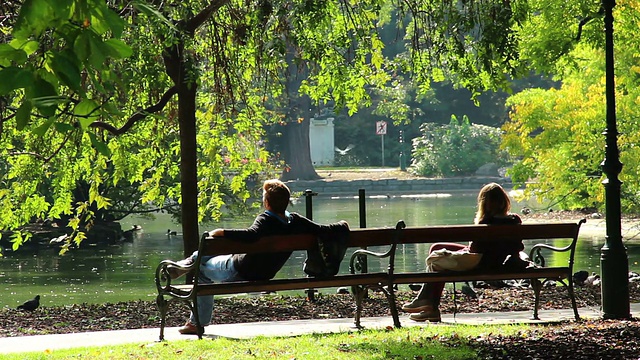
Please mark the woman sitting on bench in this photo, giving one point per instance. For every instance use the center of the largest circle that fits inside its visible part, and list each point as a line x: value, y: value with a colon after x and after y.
x: 493, y: 208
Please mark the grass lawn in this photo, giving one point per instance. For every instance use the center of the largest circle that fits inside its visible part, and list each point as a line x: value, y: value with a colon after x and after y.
x: 429, y: 342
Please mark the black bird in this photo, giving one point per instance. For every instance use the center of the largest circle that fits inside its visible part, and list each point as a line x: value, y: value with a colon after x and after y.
x: 343, y: 290
x: 580, y: 277
x: 172, y: 232
x: 129, y: 235
x: 31, y: 304
x: 468, y: 290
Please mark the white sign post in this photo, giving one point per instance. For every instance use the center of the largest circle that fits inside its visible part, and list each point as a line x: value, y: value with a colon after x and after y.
x: 381, y: 129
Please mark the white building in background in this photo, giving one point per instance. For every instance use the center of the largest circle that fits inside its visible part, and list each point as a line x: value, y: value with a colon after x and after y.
x: 321, y: 141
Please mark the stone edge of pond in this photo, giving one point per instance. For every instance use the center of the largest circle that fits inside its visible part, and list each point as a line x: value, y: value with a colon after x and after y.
x: 388, y: 186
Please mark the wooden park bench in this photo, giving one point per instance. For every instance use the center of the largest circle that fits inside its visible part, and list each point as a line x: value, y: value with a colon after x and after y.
x: 388, y: 239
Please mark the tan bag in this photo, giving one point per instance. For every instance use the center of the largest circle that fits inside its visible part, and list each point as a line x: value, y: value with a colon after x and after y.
x: 443, y: 260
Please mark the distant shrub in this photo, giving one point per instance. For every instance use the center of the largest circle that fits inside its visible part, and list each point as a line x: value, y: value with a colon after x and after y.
x: 456, y: 149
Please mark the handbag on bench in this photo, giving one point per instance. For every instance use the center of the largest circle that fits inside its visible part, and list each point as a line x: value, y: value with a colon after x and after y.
x: 444, y: 260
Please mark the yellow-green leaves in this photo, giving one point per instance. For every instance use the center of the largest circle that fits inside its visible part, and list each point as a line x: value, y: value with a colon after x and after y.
x: 87, y: 112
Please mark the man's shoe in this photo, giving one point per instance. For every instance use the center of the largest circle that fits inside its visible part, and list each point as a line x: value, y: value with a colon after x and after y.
x: 189, y: 329
x: 175, y: 272
x: 417, y: 305
x: 432, y: 315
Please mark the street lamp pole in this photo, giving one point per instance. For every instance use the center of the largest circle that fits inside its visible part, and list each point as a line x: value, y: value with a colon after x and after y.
x: 614, y: 262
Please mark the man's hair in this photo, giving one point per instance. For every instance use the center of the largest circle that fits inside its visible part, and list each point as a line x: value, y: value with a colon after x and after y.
x: 277, y: 194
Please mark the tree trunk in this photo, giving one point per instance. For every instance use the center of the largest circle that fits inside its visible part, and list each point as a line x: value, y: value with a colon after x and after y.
x: 188, y: 167
x: 298, y: 154
x: 176, y: 68
x: 298, y: 151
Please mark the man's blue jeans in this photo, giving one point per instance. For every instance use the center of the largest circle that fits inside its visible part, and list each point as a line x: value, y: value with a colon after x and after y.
x: 213, y: 269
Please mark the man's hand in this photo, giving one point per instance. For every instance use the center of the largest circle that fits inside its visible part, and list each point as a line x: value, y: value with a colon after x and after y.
x: 216, y: 232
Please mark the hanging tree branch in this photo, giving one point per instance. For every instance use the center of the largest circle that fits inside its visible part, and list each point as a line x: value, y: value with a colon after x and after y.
x: 138, y: 115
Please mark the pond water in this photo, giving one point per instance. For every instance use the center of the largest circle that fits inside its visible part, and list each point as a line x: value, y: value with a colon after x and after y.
x: 99, y: 274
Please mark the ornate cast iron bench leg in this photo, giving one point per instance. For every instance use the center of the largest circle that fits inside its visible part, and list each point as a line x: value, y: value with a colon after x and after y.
x: 358, y: 293
x: 536, y: 284
x: 391, y: 297
x: 572, y: 295
x: 163, y: 306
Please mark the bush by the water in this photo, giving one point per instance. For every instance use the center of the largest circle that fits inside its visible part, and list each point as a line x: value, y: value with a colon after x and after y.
x: 456, y: 149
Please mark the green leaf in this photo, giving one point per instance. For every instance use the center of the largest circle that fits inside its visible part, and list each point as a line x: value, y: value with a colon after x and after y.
x: 44, y: 96
x: 82, y: 45
x: 10, y: 53
x: 65, y: 66
x: 100, y: 146
x: 152, y: 12
x: 98, y: 54
x: 63, y: 127
x: 28, y: 46
x: 87, y: 112
x: 48, y: 102
x: 104, y: 19
x: 12, y: 78
x: 23, y: 115
x: 42, y: 129
x: 118, y: 49
x: 33, y: 18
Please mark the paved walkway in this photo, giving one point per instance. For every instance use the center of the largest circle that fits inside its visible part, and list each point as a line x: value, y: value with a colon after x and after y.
x: 277, y: 328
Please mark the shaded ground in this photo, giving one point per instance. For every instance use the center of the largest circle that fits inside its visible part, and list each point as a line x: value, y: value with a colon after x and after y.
x: 586, y: 340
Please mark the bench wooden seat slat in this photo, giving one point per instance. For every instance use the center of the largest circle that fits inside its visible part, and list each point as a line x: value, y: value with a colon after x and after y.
x: 289, y: 284
x: 389, y: 239
x: 539, y: 273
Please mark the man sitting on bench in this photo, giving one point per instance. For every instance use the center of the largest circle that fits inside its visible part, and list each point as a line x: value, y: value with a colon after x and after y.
x: 275, y: 220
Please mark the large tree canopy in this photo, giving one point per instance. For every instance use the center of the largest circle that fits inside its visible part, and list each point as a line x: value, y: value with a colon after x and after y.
x: 170, y: 98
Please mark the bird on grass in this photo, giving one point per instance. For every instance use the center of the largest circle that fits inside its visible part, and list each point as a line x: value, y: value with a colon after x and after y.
x: 468, y: 290
x: 31, y: 304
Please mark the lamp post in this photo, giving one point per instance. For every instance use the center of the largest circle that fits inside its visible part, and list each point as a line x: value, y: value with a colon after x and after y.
x: 614, y: 262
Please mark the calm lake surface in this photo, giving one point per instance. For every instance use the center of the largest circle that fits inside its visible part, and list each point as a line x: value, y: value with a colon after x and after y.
x: 94, y: 274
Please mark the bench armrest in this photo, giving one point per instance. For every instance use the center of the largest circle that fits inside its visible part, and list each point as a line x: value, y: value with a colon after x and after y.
x: 358, y: 258
x: 535, y: 254
x: 163, y: 279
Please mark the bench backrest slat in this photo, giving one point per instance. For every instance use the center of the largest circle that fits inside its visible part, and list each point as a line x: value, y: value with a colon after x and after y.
x: 463, y: 233
x: 383, y: 236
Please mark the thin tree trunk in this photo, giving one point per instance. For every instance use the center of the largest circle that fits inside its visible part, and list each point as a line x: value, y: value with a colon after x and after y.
x: 176, y: 69
x: 188, y: 167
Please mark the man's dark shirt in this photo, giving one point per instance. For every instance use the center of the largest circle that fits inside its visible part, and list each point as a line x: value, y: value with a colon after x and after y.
x: 263, y: 266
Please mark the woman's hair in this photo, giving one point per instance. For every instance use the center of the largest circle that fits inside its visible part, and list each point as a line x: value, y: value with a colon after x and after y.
x: 492, y: 201
x: 277, y: 194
